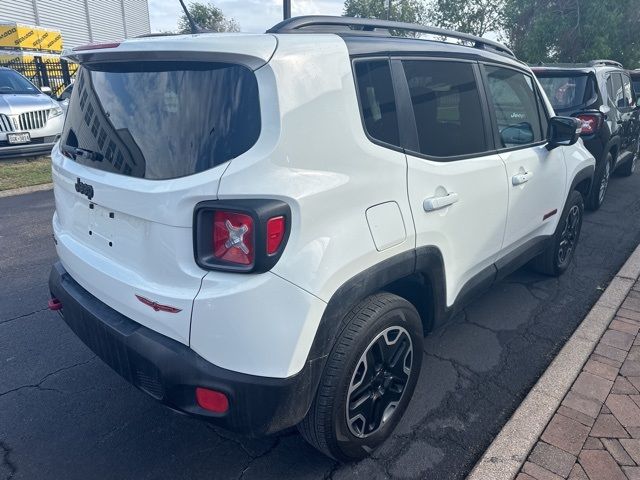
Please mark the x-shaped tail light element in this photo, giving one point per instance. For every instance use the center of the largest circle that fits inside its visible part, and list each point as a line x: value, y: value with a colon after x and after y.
x: 236, y: 237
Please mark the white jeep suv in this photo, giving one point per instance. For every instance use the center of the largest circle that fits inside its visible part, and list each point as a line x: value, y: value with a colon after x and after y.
x: 259, y: 230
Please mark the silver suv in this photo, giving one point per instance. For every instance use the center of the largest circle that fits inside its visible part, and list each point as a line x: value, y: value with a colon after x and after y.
x: 30, y: 120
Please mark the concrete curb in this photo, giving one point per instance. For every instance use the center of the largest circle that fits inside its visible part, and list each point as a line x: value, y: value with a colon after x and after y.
x: 509, y: 450
x: 23, y: 190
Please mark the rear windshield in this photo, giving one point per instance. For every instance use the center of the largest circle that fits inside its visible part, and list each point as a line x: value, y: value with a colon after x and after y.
x: 567, y: 91
x: 161, y: 120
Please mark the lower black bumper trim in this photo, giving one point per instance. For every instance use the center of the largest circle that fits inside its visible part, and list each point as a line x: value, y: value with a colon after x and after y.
x: 169, y: 371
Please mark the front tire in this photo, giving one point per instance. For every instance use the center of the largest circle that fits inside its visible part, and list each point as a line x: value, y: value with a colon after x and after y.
x: 557, y: 257
x: 368, y: 379
x: 600, y: 183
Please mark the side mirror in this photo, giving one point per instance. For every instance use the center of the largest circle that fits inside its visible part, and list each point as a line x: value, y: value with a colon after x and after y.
x: 638, y: 101
x: 46, y: 90
x: 563, y: 131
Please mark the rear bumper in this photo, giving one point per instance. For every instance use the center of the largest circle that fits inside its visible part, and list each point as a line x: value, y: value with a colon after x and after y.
x: 170, y: 371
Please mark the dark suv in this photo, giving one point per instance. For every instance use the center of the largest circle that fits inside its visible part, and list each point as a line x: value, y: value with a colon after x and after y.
x: 600, y: 95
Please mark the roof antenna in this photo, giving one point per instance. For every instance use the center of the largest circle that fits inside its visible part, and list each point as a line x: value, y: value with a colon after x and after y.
x: 195, y: 28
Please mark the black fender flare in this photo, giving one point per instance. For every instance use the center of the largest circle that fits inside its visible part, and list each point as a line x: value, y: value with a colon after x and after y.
x: 614, y: 141
x: 426, y: 261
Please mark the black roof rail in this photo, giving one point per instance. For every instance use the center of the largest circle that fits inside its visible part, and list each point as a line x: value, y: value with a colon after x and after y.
x: 613, y: 63
x: 315, y: 23
x: 158, y: 34
x: 560, y: 65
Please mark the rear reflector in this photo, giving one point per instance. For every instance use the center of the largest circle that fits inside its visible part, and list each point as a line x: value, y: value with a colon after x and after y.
x: 54, y: 304
x: 96, y: 46
x: 212, y: 400
x: 275, y: 234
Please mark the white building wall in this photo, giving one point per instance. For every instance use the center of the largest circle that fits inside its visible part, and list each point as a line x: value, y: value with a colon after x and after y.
x: 69, y: 16
x: 107, y: 23
x: 20, y: 11
x: 136, y: 16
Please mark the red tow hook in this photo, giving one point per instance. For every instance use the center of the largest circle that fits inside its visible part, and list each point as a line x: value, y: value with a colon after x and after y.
x: 54, y: 304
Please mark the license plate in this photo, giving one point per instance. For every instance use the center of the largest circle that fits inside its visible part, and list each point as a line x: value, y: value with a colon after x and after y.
x: 14, y: 138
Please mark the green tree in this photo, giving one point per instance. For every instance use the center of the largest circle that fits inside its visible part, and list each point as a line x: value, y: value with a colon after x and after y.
x: 475, y: 17
x: 209, y: 17
x: 412, y: 11
x: 573, y: 30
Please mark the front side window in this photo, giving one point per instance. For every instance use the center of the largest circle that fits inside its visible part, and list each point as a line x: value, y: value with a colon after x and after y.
x: 446, y: 107
x: 162, y: 119
x: 377, y: 100
x: 514, y: 100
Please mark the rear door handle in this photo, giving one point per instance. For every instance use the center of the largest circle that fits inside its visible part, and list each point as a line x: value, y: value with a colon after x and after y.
x: 521, y: 178
x: 436, y: 203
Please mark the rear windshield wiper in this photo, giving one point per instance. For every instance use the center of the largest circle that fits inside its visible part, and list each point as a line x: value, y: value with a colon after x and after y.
x: 76, y: 152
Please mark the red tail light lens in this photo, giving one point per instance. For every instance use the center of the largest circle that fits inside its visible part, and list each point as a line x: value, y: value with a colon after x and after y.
x: 590, y: 123
x: 233, y: 237
x: 212, y: 400
x: 275, y: 234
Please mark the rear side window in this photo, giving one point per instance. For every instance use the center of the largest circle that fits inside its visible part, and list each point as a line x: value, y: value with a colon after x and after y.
x: 615, y: 92
x: 568, y: 91
x: 377, y: 100
x: 161, y: 120
x: 446, y: 105
x: 516, y: 106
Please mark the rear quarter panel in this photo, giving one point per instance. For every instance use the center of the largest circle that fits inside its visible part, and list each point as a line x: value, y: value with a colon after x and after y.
x: 318, y: 159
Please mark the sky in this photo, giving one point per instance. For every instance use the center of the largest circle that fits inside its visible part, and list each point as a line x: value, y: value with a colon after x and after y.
x: 252, y: 15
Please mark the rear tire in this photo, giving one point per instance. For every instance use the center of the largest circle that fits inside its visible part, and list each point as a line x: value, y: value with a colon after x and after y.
x: 600, y: 183
x: 368, y: 379
x: 557, y: 256
x: 627, y: 169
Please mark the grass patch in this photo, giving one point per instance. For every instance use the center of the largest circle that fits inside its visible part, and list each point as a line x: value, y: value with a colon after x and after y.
x: 24, y: 173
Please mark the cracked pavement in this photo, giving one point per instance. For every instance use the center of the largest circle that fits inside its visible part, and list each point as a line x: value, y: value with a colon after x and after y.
x: 64, y: 414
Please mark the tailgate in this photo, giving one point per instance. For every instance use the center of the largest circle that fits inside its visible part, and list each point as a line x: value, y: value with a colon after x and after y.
x: 147, y: 137
x: 133, y: 238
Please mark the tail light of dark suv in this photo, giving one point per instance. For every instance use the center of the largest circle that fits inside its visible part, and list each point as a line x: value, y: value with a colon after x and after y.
x: 240, y: 235
x: 591, y: 122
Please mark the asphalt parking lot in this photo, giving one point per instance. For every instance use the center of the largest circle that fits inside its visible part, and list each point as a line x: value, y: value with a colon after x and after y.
x: 64, y: 414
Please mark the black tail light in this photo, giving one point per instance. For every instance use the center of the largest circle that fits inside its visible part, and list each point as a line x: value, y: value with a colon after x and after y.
x: 240, y: 235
